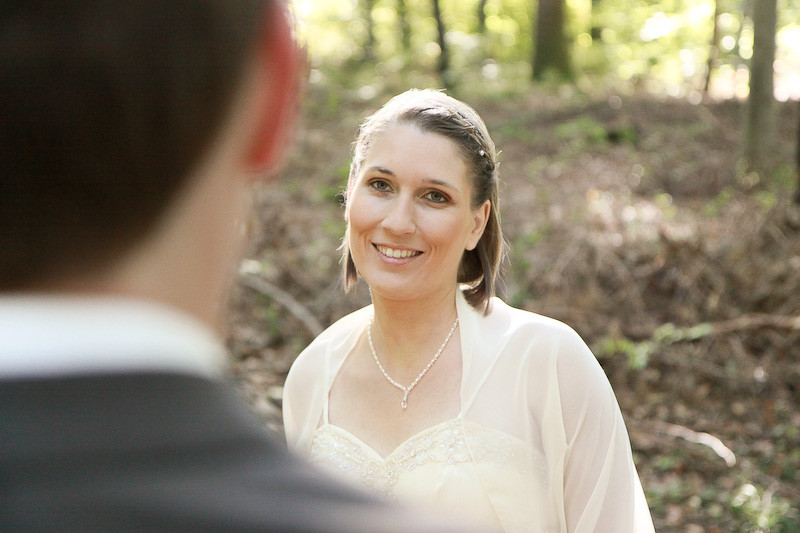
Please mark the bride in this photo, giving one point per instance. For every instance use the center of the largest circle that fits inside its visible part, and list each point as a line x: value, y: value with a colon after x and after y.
x: 439, y: 393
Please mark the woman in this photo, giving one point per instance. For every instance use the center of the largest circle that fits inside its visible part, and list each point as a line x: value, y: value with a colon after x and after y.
x: 439, y: 393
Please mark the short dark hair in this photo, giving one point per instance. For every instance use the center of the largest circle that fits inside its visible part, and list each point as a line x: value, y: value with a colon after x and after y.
x: 435, y: 112
x: 106, y: 108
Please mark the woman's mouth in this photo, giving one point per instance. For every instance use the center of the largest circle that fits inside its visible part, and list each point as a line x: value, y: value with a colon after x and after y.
x: 396, y: 253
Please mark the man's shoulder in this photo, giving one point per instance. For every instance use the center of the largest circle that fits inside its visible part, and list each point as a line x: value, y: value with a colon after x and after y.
x: 164, y: 452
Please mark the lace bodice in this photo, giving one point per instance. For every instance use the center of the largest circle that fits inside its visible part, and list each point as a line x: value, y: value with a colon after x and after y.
x: 443, y: 443
x: 439, y: 466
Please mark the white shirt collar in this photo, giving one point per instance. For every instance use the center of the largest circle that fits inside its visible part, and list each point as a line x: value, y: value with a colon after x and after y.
x: 67, y: 335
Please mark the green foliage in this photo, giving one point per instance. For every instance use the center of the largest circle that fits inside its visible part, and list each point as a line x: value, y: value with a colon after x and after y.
x: 270, y: 316
x: 514, y: 130
x: 659, y: 45
x: 638, y: 353
x: 329, y: 192
x: 585, y: 126
x: 763, y: 511
x: 717, y: 204
x: 669, y: 334
x: 784, y: 177
x: 766, y: 199
x: 334, y: 228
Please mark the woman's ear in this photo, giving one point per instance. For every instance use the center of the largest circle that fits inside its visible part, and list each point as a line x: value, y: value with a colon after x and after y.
x: 280, y: 60
x: 480, y: 217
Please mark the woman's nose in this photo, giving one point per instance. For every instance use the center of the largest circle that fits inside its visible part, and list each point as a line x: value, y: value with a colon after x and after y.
x: 399, y: 218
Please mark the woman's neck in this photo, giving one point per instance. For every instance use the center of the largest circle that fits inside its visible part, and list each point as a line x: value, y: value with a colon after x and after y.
x: 406, y: 334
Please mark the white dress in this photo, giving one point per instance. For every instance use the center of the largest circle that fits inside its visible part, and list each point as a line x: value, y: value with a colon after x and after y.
x: 539, y: 444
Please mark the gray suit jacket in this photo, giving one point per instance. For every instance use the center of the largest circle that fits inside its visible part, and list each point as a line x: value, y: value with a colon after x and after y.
x: 162, y: 452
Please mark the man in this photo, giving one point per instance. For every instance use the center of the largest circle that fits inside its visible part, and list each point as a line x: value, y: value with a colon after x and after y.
x: 130, y: 133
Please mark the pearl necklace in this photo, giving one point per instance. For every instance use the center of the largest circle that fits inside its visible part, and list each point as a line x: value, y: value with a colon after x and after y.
x: 406, y: 390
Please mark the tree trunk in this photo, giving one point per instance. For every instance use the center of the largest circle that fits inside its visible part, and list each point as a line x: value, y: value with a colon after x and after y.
x: 481, y: 13
x: 369, y: 44
x: 759, y: 119
x: 713, y: 49
x: 405, y: 27
x: 595, y: 30
x: 443, y: 67
x: 550, y: 52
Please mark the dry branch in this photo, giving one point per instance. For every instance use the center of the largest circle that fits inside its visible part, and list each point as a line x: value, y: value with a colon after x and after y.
x: 249, y: 275
x: 654, y: 433
x: 670, y: 334
x: 757, y: 321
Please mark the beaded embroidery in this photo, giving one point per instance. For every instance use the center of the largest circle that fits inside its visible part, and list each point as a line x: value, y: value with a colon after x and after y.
x: 445, y: 443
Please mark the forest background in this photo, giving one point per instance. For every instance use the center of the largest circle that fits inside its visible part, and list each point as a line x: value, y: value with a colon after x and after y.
x: 642, y: 202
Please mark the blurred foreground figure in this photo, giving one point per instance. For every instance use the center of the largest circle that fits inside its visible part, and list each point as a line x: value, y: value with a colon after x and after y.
x: 130, y: 134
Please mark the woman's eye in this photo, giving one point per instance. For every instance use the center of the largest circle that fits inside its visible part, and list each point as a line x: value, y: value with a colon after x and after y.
x: 380, y: 185
x: 436, y: 197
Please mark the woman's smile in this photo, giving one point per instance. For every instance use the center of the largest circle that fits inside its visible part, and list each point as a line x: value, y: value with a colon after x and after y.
x: 396, y: 253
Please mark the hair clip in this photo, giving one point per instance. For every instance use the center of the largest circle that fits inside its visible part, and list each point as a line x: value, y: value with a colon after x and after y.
x: 481, y: 153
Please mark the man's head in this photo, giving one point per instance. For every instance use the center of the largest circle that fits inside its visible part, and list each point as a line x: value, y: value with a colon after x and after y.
x: 109, y: 111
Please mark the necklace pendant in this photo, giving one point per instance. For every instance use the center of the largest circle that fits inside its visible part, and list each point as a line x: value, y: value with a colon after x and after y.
x: 406, y: 390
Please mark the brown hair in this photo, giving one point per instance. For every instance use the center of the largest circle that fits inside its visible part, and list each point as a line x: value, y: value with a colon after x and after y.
x: 435, y: 112
x: 107, y: 106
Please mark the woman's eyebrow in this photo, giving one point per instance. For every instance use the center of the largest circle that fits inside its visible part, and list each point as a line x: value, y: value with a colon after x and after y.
x: 441, y: 183
x: 382, y: 170
x: 427, y: 181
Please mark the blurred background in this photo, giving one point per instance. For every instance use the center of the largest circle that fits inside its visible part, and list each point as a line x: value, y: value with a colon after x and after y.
x: 649, y: 196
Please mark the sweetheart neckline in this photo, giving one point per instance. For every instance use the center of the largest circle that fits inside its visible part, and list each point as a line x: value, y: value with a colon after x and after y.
x: 356, y: 440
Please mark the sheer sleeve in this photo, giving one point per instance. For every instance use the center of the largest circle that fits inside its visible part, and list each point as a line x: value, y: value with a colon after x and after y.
x: 294, y: 402
x: 602, y: 492
x: 303, y: 398
x: 308, y: 382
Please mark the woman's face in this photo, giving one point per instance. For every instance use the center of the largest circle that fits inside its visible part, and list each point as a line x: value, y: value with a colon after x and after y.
x: 409, y: 215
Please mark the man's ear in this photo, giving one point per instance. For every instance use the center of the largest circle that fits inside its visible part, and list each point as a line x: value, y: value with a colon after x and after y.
x: 280, y: 58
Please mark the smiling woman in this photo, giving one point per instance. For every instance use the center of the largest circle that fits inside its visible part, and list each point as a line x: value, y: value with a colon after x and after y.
x: 410, y: 216
x: 439, y: 393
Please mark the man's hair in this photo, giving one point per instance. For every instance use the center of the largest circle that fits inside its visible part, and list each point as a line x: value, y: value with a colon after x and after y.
x: 107, y: 107
x: 435, y: 112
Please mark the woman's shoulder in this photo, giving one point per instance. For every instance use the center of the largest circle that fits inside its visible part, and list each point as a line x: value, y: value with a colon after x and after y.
x: 549, y: 339
x: 530, y: 336
x: 521, y: 321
